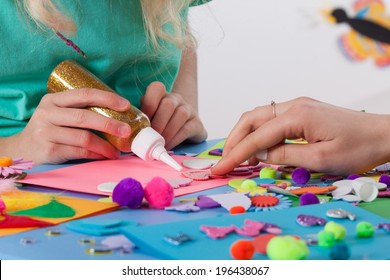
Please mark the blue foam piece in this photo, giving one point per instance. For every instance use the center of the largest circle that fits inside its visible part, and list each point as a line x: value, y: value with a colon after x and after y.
x: 98, y: 227
x: 150, y: 238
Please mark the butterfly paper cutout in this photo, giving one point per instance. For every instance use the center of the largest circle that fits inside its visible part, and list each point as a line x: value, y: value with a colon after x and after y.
x: 369, y: 34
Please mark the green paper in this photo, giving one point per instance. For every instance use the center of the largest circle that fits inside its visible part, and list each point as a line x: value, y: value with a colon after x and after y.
x: 53, y: 209
x: 380, y: 206
x: 205, y: 154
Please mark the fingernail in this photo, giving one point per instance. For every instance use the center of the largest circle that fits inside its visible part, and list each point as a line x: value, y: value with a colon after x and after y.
x: 124, y: 103
x: 262, y: 155
x: 124, y: 130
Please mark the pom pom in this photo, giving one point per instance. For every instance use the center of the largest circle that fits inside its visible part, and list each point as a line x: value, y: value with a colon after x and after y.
x: 249, y: 185
x: 301, y: 175
x: 353, y: 176
x: 237, y: 210
x: 287, y: 248
x: 261, y: 242
x: 384, y: 178
x: 340, y: 251
x: 326, y: 239
x: 365, y: 230
x: 159, y: 193
x: 242, y: 250
x: 128, y: 192
x: 268, y: 172
x: 308, y: 198
x: 337, y: 229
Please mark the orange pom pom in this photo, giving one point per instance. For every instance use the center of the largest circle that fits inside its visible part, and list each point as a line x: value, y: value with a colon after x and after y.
x: 260, y: 242
x: 5, y: 161
x: 242, y: 250
x: 237, y: 210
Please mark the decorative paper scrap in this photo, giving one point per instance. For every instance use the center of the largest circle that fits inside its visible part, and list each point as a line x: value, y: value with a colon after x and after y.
x: 206, y: 153
x: 83, y: 207
x: 229, y: 200
x: 86, y: 177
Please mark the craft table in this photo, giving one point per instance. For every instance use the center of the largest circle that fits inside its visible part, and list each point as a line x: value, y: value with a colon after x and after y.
x: 67, y: 244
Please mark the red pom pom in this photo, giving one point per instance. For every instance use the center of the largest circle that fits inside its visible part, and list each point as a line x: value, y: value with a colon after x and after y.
x: 237, y: 210
x: 159, y: 193
x: 242, y: 249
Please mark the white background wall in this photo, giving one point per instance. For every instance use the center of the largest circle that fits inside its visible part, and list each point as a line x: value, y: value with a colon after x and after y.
x: 254, y: 51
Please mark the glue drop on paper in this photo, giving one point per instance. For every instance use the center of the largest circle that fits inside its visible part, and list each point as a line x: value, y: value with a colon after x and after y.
x: 144, y: 141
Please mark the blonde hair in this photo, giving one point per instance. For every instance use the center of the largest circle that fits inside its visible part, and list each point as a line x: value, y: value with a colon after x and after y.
x: 156, y: 15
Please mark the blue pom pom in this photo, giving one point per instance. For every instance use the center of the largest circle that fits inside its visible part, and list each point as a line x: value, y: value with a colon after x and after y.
x: 340, y: 251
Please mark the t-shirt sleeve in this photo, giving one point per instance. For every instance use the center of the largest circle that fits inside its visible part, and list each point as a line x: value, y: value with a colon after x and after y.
x: 199, y: 2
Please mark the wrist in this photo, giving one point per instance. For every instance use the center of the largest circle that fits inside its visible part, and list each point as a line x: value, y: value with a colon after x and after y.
x: 383, y: 136
x: 7, y: 146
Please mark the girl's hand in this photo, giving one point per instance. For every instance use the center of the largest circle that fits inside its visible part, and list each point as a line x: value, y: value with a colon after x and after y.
x: 171, y: 116
x: 340, y: 141
x: 58, y: 130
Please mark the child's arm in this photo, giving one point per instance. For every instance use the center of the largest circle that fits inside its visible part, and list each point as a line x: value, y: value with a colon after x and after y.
x: 175, y: 115
x: 59, y: 129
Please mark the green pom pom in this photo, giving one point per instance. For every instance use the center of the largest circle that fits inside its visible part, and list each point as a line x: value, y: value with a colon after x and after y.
x: 365, y: 230
x: 338, y: 230
x: 287, y: 248
x: 267, y: 172
x: 249, y: 185
x: 326, y: 238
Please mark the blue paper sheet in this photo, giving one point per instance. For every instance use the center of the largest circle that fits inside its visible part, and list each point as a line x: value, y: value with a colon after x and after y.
x: 150, y: 238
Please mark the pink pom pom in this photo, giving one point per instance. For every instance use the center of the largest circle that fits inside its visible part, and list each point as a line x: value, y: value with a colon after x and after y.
x: 159, y: 193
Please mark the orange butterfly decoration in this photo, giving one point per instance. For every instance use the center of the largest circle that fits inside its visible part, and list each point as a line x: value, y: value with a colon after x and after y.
x: 369, y: 35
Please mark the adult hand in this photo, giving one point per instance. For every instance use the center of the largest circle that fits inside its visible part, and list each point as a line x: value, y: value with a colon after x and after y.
x: 340, y: 141
x: 171, y: 116
x: 58, y: 130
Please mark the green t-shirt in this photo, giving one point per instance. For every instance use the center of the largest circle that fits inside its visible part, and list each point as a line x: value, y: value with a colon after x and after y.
x: 112, y: 35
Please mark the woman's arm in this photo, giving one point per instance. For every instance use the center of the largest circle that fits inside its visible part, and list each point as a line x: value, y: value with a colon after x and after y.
x: 340, y: 141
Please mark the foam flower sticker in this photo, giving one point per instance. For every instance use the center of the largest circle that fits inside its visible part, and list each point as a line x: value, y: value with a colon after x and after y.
x: 269, y: 202
x: 12, y: 167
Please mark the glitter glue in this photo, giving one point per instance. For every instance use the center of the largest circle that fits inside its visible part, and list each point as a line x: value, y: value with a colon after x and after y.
x: 144, y: 141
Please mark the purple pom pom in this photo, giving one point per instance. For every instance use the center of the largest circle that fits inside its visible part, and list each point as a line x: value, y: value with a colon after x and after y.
x: 353, y: 176
x: 308, y: 198
x: 300, y: 175
x: 128, y: 192
x: 385, y: 179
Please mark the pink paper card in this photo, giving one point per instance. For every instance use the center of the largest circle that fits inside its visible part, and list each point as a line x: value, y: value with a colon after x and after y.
x: 86, y: 177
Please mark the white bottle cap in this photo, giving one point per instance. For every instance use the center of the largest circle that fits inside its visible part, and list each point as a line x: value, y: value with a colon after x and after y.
x: 149, y: 145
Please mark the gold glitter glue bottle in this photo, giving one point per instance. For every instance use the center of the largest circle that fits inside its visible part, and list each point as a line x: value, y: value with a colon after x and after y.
x: 144, y: 141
